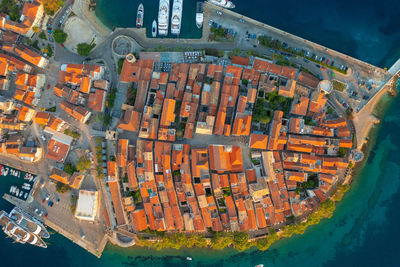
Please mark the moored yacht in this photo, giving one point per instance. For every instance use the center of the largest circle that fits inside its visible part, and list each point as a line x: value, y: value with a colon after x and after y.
x: 140, y: 16
x: 18, y: 232
x: 29, y: 222
x: 163, y: 16
x: 176, y: 17
x: 222, y: 3
x: 199, y: 14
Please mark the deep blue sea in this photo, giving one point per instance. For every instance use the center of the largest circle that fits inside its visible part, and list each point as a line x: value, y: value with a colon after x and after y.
x: 364, y: 230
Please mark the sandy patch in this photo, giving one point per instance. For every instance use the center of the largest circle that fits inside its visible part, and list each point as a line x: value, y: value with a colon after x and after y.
x: 78, y: 32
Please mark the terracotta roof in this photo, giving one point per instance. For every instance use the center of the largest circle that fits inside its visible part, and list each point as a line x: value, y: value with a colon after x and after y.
x: 132, y: 181
x: 244, y: 61
x: 308, y: 79
x: 134, y: 72
x: 139, y: 220
x: 299, y: 106
x: 130, y: 121
x: 57, y: 151
x: 343, y: 132
x: 348, y: 143
x: 263, y: 65
x: 59, y: 176
x: 258, y: 141
x: 122, y: 152
x: 76, y: 180
x: 288, y: 89
x: 168, y: 115
x: 85, y: 85
x: 97, y: 100
x: 117, y: 203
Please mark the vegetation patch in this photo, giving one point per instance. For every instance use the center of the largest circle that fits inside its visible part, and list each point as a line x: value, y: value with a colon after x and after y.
x: 111, y: 98
x: 52, y: 6
x: 11, y: 8
x: 83, y: 164
x: 59, y: 36
x: 120, y: 64
x: 62, y: 188
x: 278, y: 45
x: 73, y: 134
x: 70, y: 168
x: 260, y: 112
x: 338, y: 86
x: 52, y: 109
x: 84, y: 49
x: 343, y: 151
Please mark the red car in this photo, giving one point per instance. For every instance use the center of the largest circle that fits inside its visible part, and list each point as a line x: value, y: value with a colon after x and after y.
x: 48, y: 86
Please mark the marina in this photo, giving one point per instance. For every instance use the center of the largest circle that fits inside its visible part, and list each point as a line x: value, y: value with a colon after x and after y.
x: 22, y: 182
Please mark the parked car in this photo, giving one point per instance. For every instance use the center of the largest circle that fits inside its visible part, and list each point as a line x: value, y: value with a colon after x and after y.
x: 219, y: 12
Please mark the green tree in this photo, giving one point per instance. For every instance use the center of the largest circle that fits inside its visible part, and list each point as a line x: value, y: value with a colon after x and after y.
x: 52, y: 6
x: 84, y: 48
x: 83, y: 164
x: 69, y: 168
x: 120, y: 64
x: 241, y: 241
x: 62, y: 188
x: 221, y: 240
x: 42, y: 35
x: 59, y: 36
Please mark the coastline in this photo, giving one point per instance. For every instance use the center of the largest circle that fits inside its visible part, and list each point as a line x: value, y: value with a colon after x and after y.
x: 82, y: 10
x: 363, y: 129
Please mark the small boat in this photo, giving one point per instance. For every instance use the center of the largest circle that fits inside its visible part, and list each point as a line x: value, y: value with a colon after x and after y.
x: 4, y: 171
x: 260, y: 265
x: 154, y: 29
x: 26, y: 196
x: 199, y: 14
x: 140, y: 16
x: 189, y: 258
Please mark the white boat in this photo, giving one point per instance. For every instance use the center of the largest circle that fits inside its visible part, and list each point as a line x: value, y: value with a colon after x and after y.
x: 20, y: 193
x: 29, y: 222
x: 199, y: 14
x: 163, y: 16
x: 154, y: 29
x: 222, y: 3
x: 140, y: 16
x: 18, y: 232
x: 16, y: 192
x: 176, y: 17
x: 189, y: 258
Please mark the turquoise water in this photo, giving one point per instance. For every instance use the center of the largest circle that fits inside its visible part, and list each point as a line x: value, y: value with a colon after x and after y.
x: 364, y: 229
